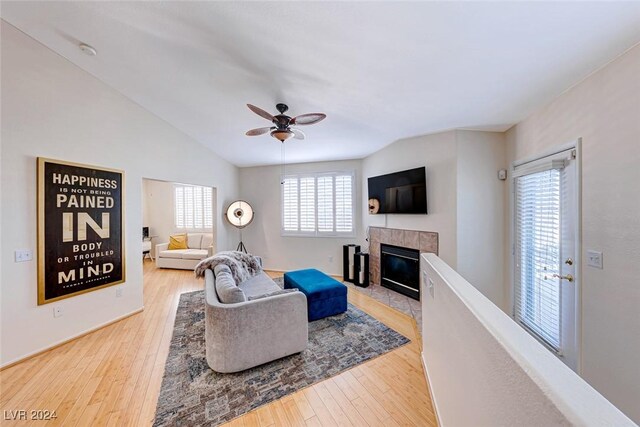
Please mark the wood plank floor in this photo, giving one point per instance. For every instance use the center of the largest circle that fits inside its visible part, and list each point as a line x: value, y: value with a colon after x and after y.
x: 112, y: 377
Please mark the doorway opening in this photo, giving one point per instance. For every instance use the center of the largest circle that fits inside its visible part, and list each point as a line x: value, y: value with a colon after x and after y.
x: 179, y: 223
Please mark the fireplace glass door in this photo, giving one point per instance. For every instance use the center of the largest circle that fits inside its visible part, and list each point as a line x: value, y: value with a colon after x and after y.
x: 400, y: 270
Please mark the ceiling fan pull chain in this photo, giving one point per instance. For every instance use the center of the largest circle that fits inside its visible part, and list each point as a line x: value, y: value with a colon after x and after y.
x: 282, y: 163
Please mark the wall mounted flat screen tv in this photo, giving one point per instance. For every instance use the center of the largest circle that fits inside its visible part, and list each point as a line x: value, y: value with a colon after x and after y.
x: 399, y: 193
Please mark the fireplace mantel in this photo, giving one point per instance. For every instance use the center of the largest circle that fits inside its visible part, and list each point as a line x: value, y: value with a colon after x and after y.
x: 424, y: 241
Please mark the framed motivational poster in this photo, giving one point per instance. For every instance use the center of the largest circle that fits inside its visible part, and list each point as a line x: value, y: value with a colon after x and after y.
x: 80, y: 229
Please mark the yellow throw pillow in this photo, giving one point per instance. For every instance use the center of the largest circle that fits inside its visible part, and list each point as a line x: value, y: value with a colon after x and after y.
x: 178, y: 241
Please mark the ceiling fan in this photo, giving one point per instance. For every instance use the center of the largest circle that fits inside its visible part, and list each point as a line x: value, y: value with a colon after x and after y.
x: 282, y: 129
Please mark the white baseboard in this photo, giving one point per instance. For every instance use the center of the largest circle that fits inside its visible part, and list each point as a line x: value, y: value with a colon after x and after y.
x: 278, y: 270
x: 66, y: 340
x: 433, y: 398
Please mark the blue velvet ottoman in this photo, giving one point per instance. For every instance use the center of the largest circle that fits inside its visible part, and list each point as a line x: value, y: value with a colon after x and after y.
x: 325, y: 295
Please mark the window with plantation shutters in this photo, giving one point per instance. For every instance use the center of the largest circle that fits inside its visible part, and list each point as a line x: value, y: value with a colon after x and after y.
x: 318, y: 204
x: 193, y: 207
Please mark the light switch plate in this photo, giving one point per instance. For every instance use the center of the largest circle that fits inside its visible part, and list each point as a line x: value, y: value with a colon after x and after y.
x: 57, y: 311
x: 118, y: 292
x: 23, y: 255
x: 431, y: 290
x: 594, y: 259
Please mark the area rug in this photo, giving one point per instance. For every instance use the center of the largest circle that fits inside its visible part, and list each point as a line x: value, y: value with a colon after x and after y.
x: 193, y: 394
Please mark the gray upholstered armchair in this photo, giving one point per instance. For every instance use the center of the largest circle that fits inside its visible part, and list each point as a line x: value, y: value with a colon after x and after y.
x: 243, y: 335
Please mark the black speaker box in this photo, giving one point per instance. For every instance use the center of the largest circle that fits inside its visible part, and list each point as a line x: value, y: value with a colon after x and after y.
x: 348, y: 260
x: 362, y: 269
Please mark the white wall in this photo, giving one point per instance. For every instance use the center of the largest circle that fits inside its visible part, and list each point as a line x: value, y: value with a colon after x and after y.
x: 438, y: 152
x: 51, y: 108
x: 260, y: 186
x: 464, y: 196
x: 605, y: 111
x: 480, y: 209
x: 485, y: 370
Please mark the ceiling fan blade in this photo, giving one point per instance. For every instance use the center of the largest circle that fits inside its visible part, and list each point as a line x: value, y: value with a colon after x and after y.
x: 260, y: 112
x: 258, y: 131
x: 308, y: 119
x: 297, y: 133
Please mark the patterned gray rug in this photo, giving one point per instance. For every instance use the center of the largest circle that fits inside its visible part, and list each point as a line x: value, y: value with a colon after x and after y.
x: 193, y: 394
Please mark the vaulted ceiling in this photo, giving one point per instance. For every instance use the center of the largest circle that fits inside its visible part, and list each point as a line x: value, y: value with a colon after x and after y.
x: 381, y: 71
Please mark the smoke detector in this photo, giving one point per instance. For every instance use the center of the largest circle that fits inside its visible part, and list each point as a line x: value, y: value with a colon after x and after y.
x: 89, y: 50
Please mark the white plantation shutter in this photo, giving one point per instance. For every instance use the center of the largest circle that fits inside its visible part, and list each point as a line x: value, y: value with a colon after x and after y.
x: 325, y: 204
x: 179, y: 206
x: 537, y: 253
x: 307, y: 204
x: 207, y: 197
x: 318, y: 205
x: 344, y: 203
x: 198, y: 214
x: 188, y: 207
x: 193, y: 206
x: 290, y: 204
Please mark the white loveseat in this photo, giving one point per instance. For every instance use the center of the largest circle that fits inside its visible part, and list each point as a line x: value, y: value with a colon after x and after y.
x: 200, y: 246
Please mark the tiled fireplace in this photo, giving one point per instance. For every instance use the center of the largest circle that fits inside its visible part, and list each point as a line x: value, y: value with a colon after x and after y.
x: 423, y: 241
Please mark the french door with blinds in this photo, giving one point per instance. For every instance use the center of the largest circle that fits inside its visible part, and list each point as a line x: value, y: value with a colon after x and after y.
x: 545, y: 252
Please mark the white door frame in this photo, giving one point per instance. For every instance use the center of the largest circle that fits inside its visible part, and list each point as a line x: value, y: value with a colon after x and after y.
x: 575, y: 145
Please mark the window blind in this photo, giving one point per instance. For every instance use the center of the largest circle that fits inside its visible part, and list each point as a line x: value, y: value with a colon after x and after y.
x: 198, y: 213
x: 290, y: 204
x: 193, y: 207
x: 179, y: 206
x: 318, y: 205
x: 188, y: 207
x: 344, y: 203
x: 537, y: 253
x: 325, y: 204
x: 307, y: 204
x: 207, y: 207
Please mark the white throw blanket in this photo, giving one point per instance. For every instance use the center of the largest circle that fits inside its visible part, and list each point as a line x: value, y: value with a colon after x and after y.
x: 243, y: 266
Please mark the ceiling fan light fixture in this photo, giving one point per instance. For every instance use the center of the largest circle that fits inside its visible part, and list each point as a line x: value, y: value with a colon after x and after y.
x: 281, y: 134
x: 281, y: 129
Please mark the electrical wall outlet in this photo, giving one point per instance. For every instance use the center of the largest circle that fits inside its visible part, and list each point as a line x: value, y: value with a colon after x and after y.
x: 594, y: 259
x: 57, y: 311
x: 330, y: 259
x: 118, y: 292
x: 23, y: 255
